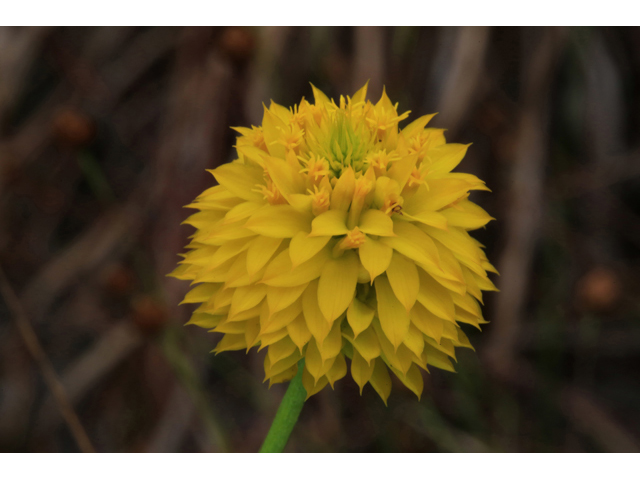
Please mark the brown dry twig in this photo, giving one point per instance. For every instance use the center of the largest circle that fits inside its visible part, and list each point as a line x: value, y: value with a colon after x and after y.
x: 369, y: 58
x: 44, y: 364
x: 103, y: 357
x: 463, y: 79
x: 524, y: 215
x: 589, y: 417
x: 110, y: 234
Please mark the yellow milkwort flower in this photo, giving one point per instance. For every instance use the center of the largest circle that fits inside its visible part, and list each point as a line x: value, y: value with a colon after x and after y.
x: 337, y: 235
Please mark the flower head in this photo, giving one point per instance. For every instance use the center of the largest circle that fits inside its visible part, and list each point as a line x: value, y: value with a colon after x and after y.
x: 335, y: 235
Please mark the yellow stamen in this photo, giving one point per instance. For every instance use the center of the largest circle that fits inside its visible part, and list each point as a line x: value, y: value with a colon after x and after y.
x: 316, y: 169
x: 392, y: 204
x: 321, y: 199
x: 271, y: 193
x: 363, y: 187
x: 353, y: 239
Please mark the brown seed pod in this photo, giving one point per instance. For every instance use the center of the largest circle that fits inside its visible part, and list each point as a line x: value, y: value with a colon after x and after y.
x: 72, y: 128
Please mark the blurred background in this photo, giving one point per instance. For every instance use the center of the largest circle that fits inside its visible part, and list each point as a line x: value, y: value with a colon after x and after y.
x: 105, y: 133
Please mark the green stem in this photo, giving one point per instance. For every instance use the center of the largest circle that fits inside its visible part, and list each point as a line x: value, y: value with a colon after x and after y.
x: 287, y: 415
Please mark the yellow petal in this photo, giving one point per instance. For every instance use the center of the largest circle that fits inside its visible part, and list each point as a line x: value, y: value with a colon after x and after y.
x: 201, y: 293
x: 458, y: 241
x: 331, y: 345
x: 414, y: 340
x: 412, y: 380
x: 237, y: 270
x: 437, y: 358
x: 316, y: 322
x: 205, y: 320
x: 260, y: 252
x: 359, y: 316
x: 299, y: 332
x: 273, y: 371
x: 484, y: 283
x: 253, y: 153
x: 472, y: 180
x: 394, y: 318
x: 361, y: 370
x: 236, y: 328
x: 337, y: 285
x: 227, y: 251
x: 311, y: 385
x: 337, y: 371
x: 245, y: 315
x: 463, y: 340
x: 320, y: 97
x: 240, y: 180
x: 273, y: 128
x: 285, y: 375
x: 303, y: 247
x: 242, y: 211
x: 281, y: 273
x: 267, y: 339
x: 401, y: 170
x: 251, y: 331
x: 367, y: 344
x: 231, y: 341
x: 281, y: 349
x: 375, y: 257
x: 468, y: 303
x: 445, y: 346
x: 427, y: 322
x: 403, y: 277
x: 467, y: 215
x: 417, y: 126
x: 435, y: 297
x: 301, y: 202
x: 204, y: 219
x: 331, y: 222
x: 463, y: 316
x: 413, y: 243
x: 400, y: 357
x: 434, y: 219
x: 281, y: 319
x: 472, y: 285
x: 451, y: 332
x: 380, y: 380
x: 446, y: 157
x: 314, y: 362
x: 360, y: 95
x: 287, y: 179
x: 279, y: 221
x: 375, y: 222
x: 343, y: 191
x: 279, y: 298
x: 247, y: 297
x: 489, y: 268
x: 216, y: 275
x: 444, y: 191
x: 223, y: 297
x: 224, y: 234
x: 449, y: 264
x: 181, y: 273
x: 218, y: 196
x: 281, y: 112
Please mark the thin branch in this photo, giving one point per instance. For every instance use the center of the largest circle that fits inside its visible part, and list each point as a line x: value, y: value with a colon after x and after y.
x: 114, y: 347
x: 45, y: 366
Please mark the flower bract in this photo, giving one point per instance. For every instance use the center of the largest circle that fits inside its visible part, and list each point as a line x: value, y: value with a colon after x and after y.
x: 342, y: 238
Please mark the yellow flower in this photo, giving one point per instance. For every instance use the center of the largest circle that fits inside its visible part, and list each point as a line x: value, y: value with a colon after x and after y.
x: 337, y: 235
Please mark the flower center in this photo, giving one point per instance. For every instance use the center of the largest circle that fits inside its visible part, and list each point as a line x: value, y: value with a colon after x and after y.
x: 346, y: 142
